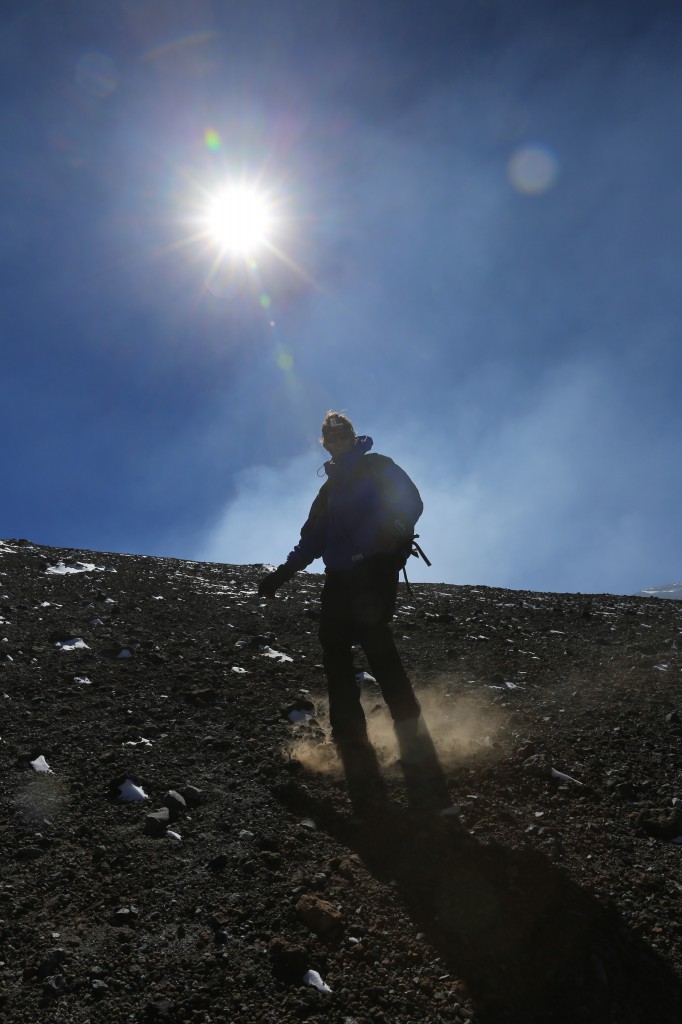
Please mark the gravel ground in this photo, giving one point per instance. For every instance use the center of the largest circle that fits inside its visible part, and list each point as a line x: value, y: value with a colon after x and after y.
x: 240, y: 867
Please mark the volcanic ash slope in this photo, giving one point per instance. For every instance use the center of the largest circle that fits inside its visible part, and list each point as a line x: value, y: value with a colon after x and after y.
x: 177, y: 842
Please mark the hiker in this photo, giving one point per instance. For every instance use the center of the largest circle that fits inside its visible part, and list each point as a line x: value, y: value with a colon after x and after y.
x: 362, y: 524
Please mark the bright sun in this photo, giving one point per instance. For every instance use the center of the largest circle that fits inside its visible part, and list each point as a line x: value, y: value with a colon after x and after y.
x: 239, y: 220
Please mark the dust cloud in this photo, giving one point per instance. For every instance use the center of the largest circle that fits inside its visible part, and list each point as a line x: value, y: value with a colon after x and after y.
x: 461, y: 726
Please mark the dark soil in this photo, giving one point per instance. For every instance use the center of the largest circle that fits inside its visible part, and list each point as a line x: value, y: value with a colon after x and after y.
x: 555, y: 900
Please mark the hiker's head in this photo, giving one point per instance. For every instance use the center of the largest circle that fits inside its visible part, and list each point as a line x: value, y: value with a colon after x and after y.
x: 338, y: 434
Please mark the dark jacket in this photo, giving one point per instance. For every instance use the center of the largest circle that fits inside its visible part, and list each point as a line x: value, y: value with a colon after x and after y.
x: 367, y: 506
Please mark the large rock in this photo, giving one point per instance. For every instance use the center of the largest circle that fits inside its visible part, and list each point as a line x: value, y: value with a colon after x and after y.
x: 321, y: 917
x: 156, y: 822
x: 175, y: 804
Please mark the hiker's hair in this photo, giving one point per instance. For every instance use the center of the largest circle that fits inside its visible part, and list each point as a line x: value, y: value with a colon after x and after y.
x: 336, y: 423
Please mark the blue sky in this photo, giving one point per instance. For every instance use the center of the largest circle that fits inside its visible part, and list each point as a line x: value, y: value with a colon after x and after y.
x: 479, y: 217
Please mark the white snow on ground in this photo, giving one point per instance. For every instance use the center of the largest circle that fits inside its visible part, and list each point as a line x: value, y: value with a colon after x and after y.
x: 129, y: 791
x: 75, y: 644
x: 314, y: 979
x: 299, y: 716
x: 564, y: 778
x: 41, y: 765
x: 669, y: 590
x: 62, y: 569
x: 277, y: 655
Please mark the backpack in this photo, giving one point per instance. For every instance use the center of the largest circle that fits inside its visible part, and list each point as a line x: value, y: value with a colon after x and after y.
x: 403, y: 506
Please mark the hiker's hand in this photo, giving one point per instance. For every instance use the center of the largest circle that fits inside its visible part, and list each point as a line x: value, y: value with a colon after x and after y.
x: 271, y: 583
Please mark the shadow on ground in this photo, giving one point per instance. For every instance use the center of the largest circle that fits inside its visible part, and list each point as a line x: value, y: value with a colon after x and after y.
x: 531, y: 945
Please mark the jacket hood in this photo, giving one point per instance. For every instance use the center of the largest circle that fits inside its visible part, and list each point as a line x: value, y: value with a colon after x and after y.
x: 363, y: 443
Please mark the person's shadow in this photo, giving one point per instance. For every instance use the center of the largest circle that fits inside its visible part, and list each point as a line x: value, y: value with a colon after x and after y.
x: 532, y: 946
x: 425, y: 781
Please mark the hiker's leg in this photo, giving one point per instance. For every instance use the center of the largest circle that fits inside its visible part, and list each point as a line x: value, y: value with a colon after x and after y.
x: 366, y: 787
x: 424, y: 778
x: 336, y: 636
x: 374, y: 601
x: 387, y: 668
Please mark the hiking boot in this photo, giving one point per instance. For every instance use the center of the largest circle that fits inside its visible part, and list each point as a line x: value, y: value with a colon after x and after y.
x: 366, y: 787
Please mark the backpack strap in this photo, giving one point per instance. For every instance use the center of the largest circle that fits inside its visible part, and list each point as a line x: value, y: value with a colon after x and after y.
x: 417, y: 552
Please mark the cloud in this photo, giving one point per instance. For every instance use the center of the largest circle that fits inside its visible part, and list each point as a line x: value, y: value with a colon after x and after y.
x: 540, y: 498
x: 262, y: 522
x: 566, y: 494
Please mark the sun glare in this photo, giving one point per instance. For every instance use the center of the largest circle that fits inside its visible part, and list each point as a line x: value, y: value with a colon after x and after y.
x: 238, y: 223
x: 239, y: 220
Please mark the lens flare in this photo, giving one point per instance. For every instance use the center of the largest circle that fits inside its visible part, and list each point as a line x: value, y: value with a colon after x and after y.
x: 533, y: 169
x: 211, y: 140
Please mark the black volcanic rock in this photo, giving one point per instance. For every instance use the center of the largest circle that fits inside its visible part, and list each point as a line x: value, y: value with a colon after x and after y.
x: 554, y: 897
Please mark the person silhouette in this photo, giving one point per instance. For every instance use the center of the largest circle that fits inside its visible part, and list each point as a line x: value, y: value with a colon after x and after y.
x: 362, y: 524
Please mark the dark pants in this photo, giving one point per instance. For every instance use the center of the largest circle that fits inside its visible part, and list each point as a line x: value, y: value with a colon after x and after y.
x: 357, y: 607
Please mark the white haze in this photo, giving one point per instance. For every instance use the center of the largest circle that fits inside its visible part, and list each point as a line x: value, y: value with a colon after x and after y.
x: 543, y: 504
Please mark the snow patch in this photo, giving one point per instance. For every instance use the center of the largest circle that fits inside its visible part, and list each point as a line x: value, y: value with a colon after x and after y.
x: 276, y: 655
x: 74, y: 644
x: 364, y: 677
x: 299, y: 716
x: 62, y: 569
x: 129, y: 791
x: 314, y: 979
x: 564, y: 778
x: 672, y: 591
